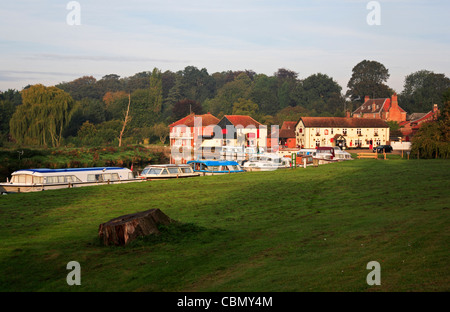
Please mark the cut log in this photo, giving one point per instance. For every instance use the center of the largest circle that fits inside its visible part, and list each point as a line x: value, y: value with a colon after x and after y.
x: 122, y: 230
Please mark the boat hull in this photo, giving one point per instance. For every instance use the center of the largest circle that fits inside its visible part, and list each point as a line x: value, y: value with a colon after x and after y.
x: 26, y: 188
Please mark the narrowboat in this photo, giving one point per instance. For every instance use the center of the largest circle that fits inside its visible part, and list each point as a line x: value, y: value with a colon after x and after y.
x: 32, y: 180
x: 162, y: 172
x: 213, y: 167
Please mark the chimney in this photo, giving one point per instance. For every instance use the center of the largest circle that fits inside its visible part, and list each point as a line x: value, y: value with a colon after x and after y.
x: 347, y: 114
x: 366, y: 98
x: 436, y: 112
x: 435, y: 108
x: 394, y: 102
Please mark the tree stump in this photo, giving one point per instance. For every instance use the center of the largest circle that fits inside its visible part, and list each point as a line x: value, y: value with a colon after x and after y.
x: 122, y: 230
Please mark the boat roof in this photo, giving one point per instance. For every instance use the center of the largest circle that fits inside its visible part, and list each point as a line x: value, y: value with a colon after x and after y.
x: 46, y: 170
x: 167, y: 165
x: 214, y: 162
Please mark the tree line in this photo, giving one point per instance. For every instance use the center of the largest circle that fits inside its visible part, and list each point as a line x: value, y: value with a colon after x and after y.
x: 91, y: 112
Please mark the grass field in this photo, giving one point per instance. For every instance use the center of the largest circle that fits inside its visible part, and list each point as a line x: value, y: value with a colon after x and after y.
x: 311, y: 229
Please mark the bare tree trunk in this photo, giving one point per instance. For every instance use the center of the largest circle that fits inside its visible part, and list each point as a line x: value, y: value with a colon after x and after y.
x: 125, y: 121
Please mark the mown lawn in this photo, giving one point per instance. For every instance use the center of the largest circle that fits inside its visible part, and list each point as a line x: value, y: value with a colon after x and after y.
x: 311, y: 229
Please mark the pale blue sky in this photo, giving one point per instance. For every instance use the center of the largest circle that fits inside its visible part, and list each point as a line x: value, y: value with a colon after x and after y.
x: 126, y: 37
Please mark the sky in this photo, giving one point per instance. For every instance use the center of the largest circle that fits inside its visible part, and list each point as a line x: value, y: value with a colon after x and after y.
x: 53, y: 41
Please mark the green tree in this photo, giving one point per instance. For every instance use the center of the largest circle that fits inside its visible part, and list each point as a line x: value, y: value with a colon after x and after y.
x: 155, y: 93
x: 321, y: 93
x: 161, y: 130
x: 9, y: 101
x: 432, y: 140
x: 185, y: 107
x: 230, y: 93
x: 369, y: 78
x: 264, y: 93
x: 42, y: 117
x: 245, y: 107
x: 422, y: 89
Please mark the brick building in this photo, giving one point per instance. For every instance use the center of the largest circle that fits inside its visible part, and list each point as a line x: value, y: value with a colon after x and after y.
x: 386, y: 109
x: 188, y: 131
x: 312, y: 132
x: 416, y: 120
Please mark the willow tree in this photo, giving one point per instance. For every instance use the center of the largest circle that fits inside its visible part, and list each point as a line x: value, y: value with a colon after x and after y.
x: 42, y: 117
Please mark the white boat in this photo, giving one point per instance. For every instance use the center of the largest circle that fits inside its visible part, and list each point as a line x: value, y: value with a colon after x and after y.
x: 215, y: 167
x: 341, y: 155
x: 162, y: 172
x: 33, y: 180
x: 266, y: 162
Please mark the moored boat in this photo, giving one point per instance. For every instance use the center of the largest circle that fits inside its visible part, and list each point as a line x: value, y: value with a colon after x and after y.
x: 32, y: 180
x: 266, y: 162
x: 162, y: 172
x: 213, y: 167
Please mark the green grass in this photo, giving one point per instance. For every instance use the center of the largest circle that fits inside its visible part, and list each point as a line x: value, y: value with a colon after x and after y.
x: 311, y: 229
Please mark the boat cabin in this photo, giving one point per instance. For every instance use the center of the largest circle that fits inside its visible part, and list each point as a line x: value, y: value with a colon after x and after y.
x: 158, y: 172
x: 44, y: 179
x: 210, y: 167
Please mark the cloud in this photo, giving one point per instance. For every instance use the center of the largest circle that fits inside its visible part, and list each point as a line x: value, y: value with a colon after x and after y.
x: 98, y: 58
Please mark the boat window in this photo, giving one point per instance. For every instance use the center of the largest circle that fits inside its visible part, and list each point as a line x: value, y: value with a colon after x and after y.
x: 152, y: 171
x: 28, y: 179
x: 145, y: 171
x: 38, y: 180
x: 95, y: 178
x: 164, y: 172
x: 21, y: 178
x: 110, y: 177
x: 186, y: 170
x: 212, y: 168
x: 130, y: 176
x: 107, y: 177
x: 173, y: 170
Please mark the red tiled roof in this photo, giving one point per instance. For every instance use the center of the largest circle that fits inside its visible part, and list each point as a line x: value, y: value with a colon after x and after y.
x: 244, y: 121
x: 368, y: 107
x: 287, y: 133
x: 342, y: 122
x: 207, y: 120
x: 288, y: 125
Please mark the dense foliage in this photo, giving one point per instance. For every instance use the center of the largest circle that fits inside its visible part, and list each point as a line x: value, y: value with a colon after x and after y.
x: 433, y: 139
x: 91, y: 112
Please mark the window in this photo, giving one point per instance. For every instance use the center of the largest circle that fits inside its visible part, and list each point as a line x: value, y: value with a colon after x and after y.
x: 325, y: 132
x: 300, y: 130
x: 164, y: 172
x: 358, y: 131
x: 95, y: 178
x: 38, y: 180
x: 375, y: 132
x: 173, y: 170
x: 344, y: 131
x: 332, y: 131
x: 186, y: 170
x: 317, y: 132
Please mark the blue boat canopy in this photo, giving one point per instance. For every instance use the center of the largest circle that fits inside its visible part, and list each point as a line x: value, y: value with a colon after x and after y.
x: 214, y: 162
